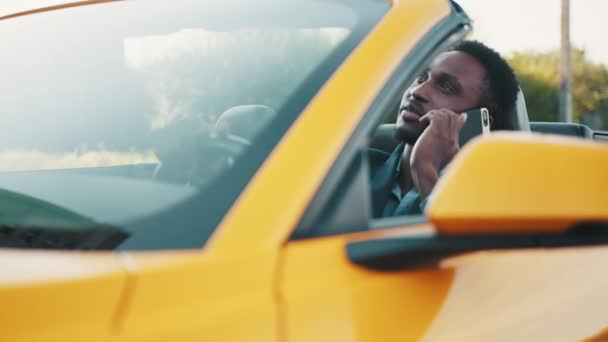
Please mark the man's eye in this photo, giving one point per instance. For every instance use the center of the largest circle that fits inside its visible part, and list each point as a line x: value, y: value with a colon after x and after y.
x: 446, y: 87
x: 422, y: 77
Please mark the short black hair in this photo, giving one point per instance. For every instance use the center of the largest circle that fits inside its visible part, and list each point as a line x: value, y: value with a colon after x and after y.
x: 500, y: 85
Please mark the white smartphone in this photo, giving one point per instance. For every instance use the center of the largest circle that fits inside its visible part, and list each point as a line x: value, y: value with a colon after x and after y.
x: 478, y: 123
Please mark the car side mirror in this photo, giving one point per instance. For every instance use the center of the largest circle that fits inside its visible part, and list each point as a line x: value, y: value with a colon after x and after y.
x: 521, y: 183
x: 505, y: 191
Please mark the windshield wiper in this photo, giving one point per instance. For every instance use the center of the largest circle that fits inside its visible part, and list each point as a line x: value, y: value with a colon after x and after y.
x: 94, y: 238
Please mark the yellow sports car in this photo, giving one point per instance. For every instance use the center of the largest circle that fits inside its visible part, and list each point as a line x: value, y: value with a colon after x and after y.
x: 194, y: 170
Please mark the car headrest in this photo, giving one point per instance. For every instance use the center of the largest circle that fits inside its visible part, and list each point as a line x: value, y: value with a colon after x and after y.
x: 563, y: 128
x: 518, y: 117
x: 383, y: 138
x: 244, y: 121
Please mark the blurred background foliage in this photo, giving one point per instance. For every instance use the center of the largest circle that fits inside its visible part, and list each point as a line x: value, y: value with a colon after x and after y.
x: 539, y: 79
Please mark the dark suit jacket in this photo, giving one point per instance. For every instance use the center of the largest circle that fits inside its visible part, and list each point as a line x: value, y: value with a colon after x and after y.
x: 384, y: 168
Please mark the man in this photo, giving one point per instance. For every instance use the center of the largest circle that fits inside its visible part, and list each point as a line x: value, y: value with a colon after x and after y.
x: 430, y: 117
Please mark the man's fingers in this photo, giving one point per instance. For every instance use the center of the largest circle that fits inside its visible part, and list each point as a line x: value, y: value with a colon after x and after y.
x: 434, y: 115
x: 426, y: 118
x: 444, y: 120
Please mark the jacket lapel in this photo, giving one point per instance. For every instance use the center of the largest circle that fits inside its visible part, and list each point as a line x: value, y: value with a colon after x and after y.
x: 383, y: 176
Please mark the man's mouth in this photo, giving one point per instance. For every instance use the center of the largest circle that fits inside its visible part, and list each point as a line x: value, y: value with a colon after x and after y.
x: 410, y: 112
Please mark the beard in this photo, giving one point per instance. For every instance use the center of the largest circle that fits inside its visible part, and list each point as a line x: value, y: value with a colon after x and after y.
x: 408, y: 134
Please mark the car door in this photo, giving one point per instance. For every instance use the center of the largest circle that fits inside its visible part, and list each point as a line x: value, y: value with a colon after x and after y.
x: 324, y: 296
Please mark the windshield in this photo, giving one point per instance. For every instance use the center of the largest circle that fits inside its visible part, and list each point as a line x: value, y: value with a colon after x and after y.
x: 130, y: 113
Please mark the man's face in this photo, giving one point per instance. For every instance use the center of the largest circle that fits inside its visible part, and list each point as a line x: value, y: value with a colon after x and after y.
x: 452, y: 81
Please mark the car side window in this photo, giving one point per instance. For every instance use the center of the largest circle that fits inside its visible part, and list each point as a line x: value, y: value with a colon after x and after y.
x: 345, y: 201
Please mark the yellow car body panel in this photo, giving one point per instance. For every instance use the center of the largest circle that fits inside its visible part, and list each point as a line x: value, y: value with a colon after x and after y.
x: 354, y: 304
x: 48, y: 296
x: 190, y: 295
x: 527, y: 295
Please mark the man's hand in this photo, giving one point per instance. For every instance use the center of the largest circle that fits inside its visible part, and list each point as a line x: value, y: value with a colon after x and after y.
x: 435, y: 147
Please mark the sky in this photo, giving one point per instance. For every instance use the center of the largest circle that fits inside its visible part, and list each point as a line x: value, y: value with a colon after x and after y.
x: 519, y: 25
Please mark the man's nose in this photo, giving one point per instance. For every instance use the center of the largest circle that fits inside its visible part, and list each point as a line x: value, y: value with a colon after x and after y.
x: 422, y: 91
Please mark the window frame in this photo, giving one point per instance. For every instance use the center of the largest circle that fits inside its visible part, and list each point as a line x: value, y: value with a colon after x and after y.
x: 319, y: 219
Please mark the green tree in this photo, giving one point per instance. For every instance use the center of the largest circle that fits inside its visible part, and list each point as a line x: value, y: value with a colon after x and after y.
x: 539, y: 79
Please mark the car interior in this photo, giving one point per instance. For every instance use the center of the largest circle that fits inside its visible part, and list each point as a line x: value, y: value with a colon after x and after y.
x: 383, y: 139
x: 331, y: 212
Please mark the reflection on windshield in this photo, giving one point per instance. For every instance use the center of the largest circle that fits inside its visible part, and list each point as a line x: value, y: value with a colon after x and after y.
x: 196, y: 74
x: 23, y: 160
x: 212, y: 92
x: 179, y: 84
x: 123, y: 119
